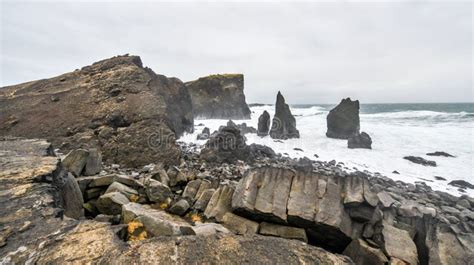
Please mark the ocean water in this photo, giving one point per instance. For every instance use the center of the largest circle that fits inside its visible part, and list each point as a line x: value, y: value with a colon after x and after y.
x: 397, y: 130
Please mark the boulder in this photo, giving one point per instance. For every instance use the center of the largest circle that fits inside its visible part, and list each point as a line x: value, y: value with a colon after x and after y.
x: 125, y: 190
x: 111, y: 203
x: 220, y: 203
x: 207, y: 229
x: 397, y: 243
x: 227, y: 146
x: 239, y: 225
x: 192, y: 188
x: 244, y: 129
x: 75, y: 161
x: 420, y: 160
x: 180, y: 207
x: 263, y: 124
x: 158, y: 192
x: 362, y: 253
x: 94, y: 163
x: 283, y: 231
x: 204, y: 135
x: 137, y: 130
x: 343, y: 120
x: 155, y: 222
x: 359, y: 140
x: 283, y: 123
x: 219, y: 97
x: 203, y: 200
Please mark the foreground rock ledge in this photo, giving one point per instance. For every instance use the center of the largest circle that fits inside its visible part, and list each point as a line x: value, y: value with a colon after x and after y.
x: 35, y: 230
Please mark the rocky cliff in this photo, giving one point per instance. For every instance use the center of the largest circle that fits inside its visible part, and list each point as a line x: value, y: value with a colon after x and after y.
x: 219, y: 97
x: 128, y: 112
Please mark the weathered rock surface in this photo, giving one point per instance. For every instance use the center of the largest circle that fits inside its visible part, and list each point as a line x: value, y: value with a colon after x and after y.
x: 75, y: 161
x: 263, y: 124
x: 288, y: 232
x: 219, y: 97
x: 220, y: 203
x: 136, y: 130
x: 156, y: 222
x: 283, y: 123
x: 420, y: 160
x: 93, y: 163
x: 362, y: 253
x: 239, y: 225
x: 158, y: 192
x: 343, y: 121
x: 359, y: 140
x: 461, y: 184
x: 111, y: 203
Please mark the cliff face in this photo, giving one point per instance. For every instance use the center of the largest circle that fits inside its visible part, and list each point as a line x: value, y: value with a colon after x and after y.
x: 219, y: 97
x: 116, y: 105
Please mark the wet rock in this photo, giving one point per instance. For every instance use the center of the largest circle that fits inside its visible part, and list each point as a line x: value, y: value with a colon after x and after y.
x: 180, y: 207
x: 220, y: 203
x: 461, y: 184
x: 362, y: 253
x: 219, y: 97
x: 93, y: 164
x: 75, y: 161
x: 359, y: 140
x: 239, y: 225
x: 420, y: 160
x: 440, y: 153
x: 288, y: 232
x: 283, y: 123
x: 204, y: 135
x: 396, y: 172
x: 343, y: 120
x: 263, y: 124
x: 439, y: 178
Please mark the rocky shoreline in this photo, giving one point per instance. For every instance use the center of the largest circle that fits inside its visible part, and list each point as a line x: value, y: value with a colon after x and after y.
x: 125, y: 191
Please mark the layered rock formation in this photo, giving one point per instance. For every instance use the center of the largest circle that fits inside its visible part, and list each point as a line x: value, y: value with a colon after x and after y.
x: 219, y: 97
x: 343, y: 120
x: 283, y: 123
x: 263, y: 124
x: 125, y: 110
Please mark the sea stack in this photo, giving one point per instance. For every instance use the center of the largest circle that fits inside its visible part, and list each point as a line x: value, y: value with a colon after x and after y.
x: 343, y: 121
x: 263, y: 124
x: 283, y: 124
x: 219, y: 97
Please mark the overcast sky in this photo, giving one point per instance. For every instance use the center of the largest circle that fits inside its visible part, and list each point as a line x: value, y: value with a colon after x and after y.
x: 312, y: 52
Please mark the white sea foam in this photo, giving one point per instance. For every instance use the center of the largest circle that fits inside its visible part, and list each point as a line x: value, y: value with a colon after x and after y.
x: 394, y: 135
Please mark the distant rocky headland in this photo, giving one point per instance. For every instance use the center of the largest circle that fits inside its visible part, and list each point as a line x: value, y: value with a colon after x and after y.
x: 92, y: 172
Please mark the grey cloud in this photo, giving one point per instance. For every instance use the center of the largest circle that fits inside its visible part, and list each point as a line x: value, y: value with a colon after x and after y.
x: 312, y: 52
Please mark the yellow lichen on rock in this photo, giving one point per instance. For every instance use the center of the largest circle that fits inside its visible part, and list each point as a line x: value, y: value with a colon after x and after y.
x: 136, y: 231
x: 134, y: 198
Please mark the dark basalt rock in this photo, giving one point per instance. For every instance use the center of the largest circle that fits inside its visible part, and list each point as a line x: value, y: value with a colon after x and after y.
x: 343, y: 120
x: 440, y: 153
x: 283, y: 124
x: 204, y: 135
x: 228, y: 145
x: 219, y: 97
x: 461, y: 184
x: 359, y: 140
x: 90, y: 116
x: 263, y: 124
x: 420, y: 160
